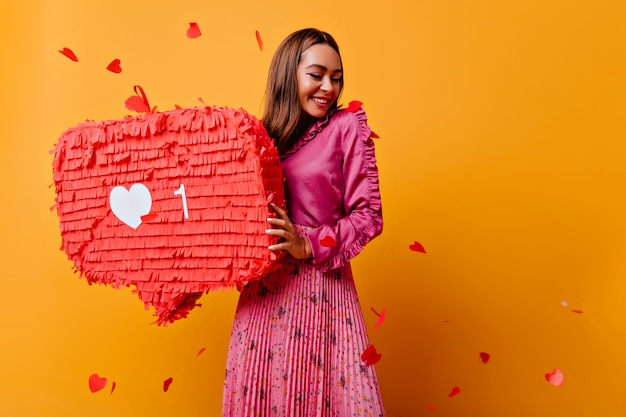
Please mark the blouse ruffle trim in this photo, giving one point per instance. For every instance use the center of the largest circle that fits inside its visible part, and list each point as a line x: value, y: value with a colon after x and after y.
x: 373, y: 208
x: 317, y: 127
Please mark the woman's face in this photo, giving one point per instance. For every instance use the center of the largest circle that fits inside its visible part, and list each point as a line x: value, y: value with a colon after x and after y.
x: 319, y: 79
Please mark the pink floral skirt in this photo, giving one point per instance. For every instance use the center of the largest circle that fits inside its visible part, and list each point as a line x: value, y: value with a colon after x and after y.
x: 295, y: 348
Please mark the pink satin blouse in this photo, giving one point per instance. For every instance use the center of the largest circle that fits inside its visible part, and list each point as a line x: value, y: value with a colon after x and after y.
x: 332, y: 187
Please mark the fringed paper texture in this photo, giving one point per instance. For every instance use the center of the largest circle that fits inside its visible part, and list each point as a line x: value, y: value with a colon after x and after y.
x: 230, y: 170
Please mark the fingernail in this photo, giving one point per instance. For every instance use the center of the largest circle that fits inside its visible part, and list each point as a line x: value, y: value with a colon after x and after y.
x: 268, y: 231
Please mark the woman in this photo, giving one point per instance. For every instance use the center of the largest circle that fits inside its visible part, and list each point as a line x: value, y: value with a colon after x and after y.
x: 299, y: 332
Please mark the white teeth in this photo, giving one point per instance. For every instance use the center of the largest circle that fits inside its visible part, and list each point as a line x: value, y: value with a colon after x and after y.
x: 319, y: 100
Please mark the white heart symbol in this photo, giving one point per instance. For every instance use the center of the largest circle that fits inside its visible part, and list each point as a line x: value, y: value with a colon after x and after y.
x: 130, y: 205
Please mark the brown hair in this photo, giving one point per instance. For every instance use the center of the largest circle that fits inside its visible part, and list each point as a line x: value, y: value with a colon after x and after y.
x: 282, y: 113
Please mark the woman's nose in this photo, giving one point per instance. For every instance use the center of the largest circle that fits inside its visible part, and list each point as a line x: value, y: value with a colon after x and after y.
x: 327, y: 84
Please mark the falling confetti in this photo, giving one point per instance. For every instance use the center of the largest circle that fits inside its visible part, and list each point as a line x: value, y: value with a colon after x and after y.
x: 564, y: 303
x: 373, y: 135
x: 354, y: 106
x: 328, y: 242
x: 455, y: 391
x: 555, y: 377
x: 113, y: 385
x: 68, y: 53
x: 484, y: 357
x: 200, y: 351
x: 381, y: 316
x: 430, y: 408
x: 148, y: 217
x: 114, y: 66
x: 138, y: 103
x: 167, y: 383
x: 259, y: 40
x: 193, y: 31
x: 370, y: 356
x: 417, y: 247
x: 96, y: 383
x: 577, y: 311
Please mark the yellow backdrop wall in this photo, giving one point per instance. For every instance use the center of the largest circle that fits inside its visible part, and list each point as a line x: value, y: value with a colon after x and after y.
x: 501, y: 150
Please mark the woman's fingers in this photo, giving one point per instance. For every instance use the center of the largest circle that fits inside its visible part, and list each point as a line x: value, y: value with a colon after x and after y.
x: 277, y: 222
x: 283, y: 228
x: 282, y: 213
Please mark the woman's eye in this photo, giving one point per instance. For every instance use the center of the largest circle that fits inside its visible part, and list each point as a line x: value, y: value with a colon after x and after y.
x: 315, y: 76
x: 336, y: 80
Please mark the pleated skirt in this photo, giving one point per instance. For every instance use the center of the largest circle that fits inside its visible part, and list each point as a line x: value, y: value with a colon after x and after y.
x: 295, y: 348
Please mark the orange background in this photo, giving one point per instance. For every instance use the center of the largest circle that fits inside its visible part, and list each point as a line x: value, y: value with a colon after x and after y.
x: 502, y: 151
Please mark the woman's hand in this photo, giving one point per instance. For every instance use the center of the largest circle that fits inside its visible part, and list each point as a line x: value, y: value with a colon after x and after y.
x: 290, y: 240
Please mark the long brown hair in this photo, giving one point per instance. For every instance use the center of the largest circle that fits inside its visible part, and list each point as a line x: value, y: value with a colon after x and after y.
x: 282, y: 112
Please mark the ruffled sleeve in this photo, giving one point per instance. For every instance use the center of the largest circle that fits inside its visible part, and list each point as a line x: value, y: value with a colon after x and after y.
x: 334, y: 245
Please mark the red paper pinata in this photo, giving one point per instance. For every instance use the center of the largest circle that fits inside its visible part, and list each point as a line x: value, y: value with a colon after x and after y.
x: 174, y: 204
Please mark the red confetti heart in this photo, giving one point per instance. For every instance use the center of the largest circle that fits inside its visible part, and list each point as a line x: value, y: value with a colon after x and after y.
x: 68, y: 53
x: 370, y: 356
x: 138, y: 103
x: 114, y: 66
x: 113, y: 385
x: 381, y: 317
x: 578, y: 311
x: 149, y: 217
x: 373, y: 135
x: 484, y: 357
x: 328, y: 242
x: 193, y: 31
x: 259, y: 40
x: 555, y: 377
x: 455, y: 391
x: 167, y: 383
x: 200, y: 351
x: 417, y: 247
x: 354, y: 106
x: 430, y: 408
x: 96, y: 383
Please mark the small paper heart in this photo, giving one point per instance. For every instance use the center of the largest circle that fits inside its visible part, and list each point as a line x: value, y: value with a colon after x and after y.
x: 484, y: 357
x: 193, y: 31
x: 68, y: 53
x: 149, y: 217
x: 129, y: 206
x: 259, y: 40
x: 354, y: 106
x: 136, y: 104
x: 370, y: 356
x: 381, y: 317
x: 417, y: 247
x: 328, y: 242
x: 96, y: 383
x: 114, y: 66
x: 455, y: 391
x: 167, y: 383
x: 555, y: 377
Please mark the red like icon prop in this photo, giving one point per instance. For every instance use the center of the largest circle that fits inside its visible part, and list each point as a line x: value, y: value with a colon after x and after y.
x: 173, y: 204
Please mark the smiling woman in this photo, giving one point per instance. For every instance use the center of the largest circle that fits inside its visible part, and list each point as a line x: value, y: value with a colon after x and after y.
x: 319, y: 79
x: 299, y: 345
